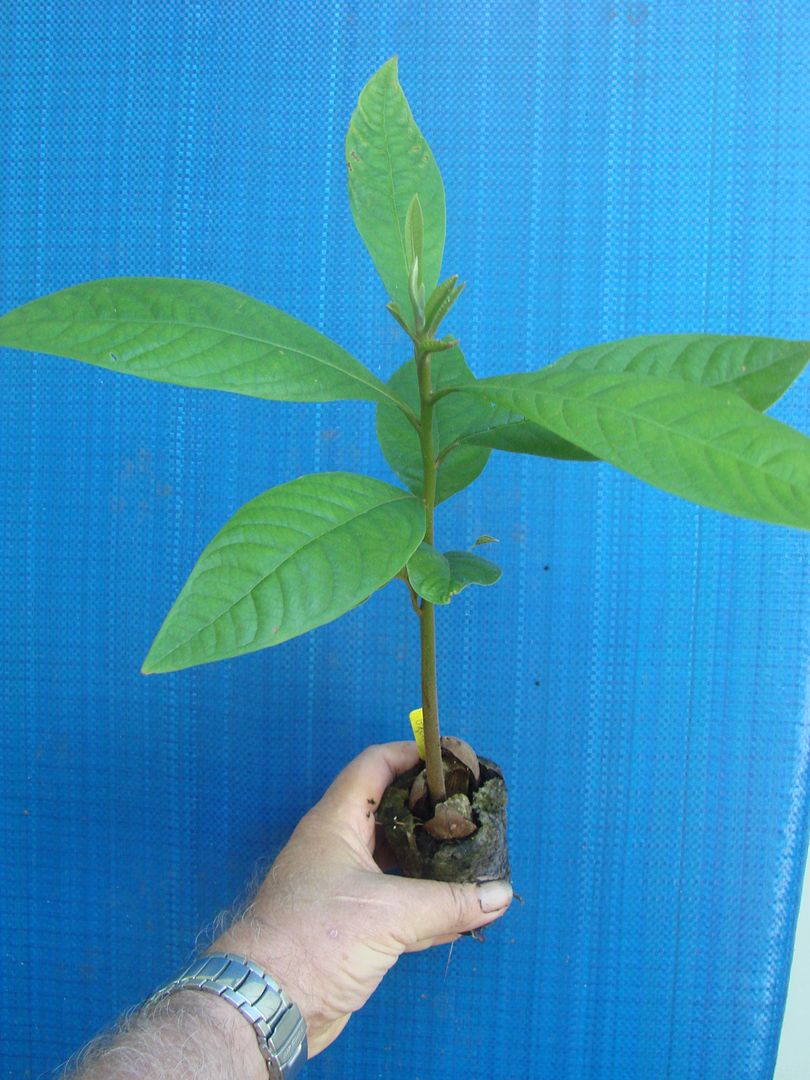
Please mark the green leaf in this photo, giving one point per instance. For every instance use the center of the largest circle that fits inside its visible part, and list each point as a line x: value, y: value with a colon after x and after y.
x: 438, y: 577
x: 440, y: 301
x: 294, y: 558
x: 508, y: 431
x: 705, y: 445
x: 192, y: 333
x: 759, y: 369
x: 429, y: 574
x: 389, y: 162
x: 453, y: 417
x: 468, y: 569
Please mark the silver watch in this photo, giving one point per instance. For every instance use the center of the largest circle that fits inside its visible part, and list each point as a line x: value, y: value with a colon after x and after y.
x: 279, y: 1025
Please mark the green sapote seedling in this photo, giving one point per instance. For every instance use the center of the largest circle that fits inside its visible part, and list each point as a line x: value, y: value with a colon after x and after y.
x: 682, y: 412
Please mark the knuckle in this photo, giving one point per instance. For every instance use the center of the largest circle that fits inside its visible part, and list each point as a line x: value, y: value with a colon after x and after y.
x: 459, y: 908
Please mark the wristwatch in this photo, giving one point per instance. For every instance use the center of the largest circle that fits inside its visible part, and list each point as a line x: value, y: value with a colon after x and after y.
x: 279, y: 1025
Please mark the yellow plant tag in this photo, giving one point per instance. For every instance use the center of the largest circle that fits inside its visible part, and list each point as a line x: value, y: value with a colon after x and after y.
x: 418, y: 726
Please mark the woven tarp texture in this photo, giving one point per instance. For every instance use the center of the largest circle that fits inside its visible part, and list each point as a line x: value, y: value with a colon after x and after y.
x: 640, y: 672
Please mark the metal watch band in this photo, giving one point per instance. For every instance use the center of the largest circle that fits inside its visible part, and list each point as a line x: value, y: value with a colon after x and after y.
x: 279, y: 1025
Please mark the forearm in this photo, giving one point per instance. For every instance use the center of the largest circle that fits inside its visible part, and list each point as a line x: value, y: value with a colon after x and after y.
x: 189, y: 1035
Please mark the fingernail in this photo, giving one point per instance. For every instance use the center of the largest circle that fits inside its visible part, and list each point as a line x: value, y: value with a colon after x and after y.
x: 494, y: 895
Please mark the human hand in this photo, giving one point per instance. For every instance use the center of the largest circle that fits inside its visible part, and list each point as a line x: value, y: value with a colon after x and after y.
x: 327, y: 924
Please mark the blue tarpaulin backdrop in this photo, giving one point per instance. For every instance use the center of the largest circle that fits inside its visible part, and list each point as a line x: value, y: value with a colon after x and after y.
x: 611, y: 169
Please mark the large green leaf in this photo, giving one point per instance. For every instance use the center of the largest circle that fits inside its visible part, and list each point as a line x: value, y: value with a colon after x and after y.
x: 194, y: 333
x: 289, y: 560
x: 438, y: 577
x: 388, y: 162
x: 705, y: 445
x: 759, y: 369
x: 453, y: 417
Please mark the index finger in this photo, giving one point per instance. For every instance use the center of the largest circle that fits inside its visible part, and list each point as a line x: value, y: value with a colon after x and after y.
x: 354, y: 795
x: 362, y: 782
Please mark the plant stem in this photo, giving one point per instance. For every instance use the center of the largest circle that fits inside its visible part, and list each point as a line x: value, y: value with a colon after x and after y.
x: 427, y: 621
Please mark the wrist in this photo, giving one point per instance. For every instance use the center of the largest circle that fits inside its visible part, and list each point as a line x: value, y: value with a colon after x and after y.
x: 186, y: 1033
x: 268, y: 948
x: 249, y: 990
x: 214, y: 1025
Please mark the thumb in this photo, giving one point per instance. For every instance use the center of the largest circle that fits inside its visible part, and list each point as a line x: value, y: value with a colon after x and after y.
x: 435, y: 908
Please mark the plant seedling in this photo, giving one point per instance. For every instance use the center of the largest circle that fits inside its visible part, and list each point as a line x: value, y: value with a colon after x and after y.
x: 682, y: 412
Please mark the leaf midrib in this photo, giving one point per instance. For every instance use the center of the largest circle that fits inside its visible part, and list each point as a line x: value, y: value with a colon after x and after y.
x: 703, y: 443
x: 249, y: 592
x: 752, y: 369
x: 719, y: 383
x: 389, y: 161
x: 371, y: 381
